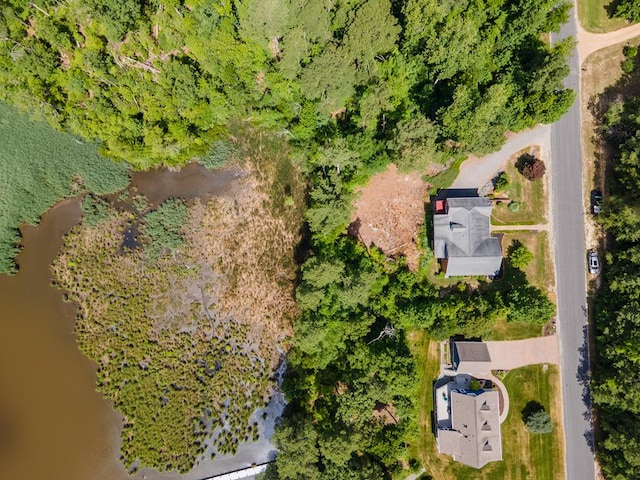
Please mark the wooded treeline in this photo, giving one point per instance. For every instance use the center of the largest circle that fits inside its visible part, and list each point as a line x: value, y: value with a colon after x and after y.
x: 628, y: 9
x: 158, y: 81
x: 616, y: 392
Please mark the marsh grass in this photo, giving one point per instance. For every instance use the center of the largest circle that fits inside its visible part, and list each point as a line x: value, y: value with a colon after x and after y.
x: 41, y: 166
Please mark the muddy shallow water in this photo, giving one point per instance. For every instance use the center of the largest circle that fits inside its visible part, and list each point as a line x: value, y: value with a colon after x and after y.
x: 53, y: 424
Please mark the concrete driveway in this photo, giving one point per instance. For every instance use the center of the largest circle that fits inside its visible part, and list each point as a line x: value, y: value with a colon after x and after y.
x: 520, y: 353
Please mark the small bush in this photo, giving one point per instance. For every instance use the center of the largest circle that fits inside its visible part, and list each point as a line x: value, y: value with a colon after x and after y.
x: 519, y: 255
x: 218, y: 154
x: 630, y: 51
x: 513, y: 206
x: 530, y: 167
x: 501, y: 182
x: 628, y: 65
x: 164, y: 228
x: 539, y: 422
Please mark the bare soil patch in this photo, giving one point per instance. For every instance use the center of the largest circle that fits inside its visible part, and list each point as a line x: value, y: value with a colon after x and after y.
x: 390, y: 212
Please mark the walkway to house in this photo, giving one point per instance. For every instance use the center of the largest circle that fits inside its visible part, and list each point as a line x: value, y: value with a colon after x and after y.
x: 540, y: 227
x: 504, y: 397
x: 520, y: 353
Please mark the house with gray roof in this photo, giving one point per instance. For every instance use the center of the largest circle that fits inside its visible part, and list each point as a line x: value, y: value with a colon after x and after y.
x: 462, y: 235
x: 471, y: 357
x: 473, y: 437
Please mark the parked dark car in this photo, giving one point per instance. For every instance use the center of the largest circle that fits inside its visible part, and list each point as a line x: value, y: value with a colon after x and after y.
x: 596, y: 200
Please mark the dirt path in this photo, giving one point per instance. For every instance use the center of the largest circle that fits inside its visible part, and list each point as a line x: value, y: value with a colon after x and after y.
x: 591, y: 42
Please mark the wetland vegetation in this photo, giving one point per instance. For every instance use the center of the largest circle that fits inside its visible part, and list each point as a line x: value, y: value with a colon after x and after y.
x: 188, y: 322
x: 39, y: 167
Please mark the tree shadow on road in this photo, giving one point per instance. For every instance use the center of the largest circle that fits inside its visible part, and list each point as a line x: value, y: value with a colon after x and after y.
x: 583, y: 376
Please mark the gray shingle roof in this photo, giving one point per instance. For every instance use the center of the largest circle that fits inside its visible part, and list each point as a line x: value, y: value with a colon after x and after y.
x: 472, y: 357
x: 462, y: 235
x: 475, y: 437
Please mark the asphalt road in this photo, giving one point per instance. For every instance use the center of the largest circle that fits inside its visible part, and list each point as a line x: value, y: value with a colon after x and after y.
x: 569, y: 244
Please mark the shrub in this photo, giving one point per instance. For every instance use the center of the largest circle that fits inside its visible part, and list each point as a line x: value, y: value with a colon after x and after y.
x: 628, y: 65
x: 519, y: 255
x: 513, y: 206
x: 501, y: 182
x: 217, y: 155
x: 164, y: 228
x: 529, y: 304
x: 531, y: 168
x: 539, y: 422
x: 630, y: 51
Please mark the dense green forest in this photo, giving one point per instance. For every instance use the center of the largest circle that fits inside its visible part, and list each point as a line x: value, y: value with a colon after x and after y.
x: 616, y: 392
x: 157, y: 82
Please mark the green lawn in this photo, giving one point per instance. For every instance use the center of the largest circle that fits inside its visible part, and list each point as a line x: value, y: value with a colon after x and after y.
x: 530, y: 195
x: 539, y: 272
x: 594, y: 17
x: 525, y: 456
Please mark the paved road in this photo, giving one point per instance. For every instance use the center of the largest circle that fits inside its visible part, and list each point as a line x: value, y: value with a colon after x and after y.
x: 568, y: 223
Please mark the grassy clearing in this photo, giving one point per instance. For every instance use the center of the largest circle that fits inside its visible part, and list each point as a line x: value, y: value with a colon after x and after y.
x: 526, y: 456
x: 538, y: 273
x: 595, y: 18
x: 531, y: 196
x: 504, y: 330
x: 40, y: 166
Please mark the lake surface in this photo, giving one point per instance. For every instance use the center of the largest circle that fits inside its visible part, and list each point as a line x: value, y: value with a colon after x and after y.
x: 53, y: 424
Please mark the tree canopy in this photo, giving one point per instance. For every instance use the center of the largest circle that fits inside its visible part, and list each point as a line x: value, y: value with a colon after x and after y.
x: 157, y: 82
x: 615, y: 394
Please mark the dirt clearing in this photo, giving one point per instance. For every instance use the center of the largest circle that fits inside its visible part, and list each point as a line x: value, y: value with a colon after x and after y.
x: 390, y: 212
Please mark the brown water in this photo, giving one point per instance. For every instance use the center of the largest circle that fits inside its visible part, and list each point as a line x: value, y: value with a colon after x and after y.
x: 53, y: 425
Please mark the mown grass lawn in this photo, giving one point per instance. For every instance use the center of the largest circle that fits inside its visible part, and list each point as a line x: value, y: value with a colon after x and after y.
x: 531, y: 196
x: 594, y: 17
x: 525, y: 455
x: 539, y: 272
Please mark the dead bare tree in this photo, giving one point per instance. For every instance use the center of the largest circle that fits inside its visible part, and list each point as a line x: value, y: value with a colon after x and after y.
x: 388, y: 331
